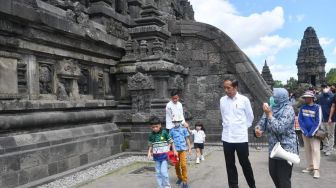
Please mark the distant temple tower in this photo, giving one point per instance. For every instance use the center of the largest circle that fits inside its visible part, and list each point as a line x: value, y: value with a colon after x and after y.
x: 311, y: 60
x: 267, y: 75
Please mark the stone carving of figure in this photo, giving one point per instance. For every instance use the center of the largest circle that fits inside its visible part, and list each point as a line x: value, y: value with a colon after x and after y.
x: 140, y: 103
x: 61, y: 92
x: 121, y: 6
x: 45, y: 79
x: 139, y: 81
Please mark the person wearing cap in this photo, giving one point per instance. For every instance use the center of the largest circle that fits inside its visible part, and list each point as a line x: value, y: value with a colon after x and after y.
x: 310, y: 117
x: 326, y: 101
x: 180, y: 136
x: 237, y: 117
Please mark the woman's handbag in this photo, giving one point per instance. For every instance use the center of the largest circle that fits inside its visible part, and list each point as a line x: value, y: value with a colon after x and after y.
x: 321, y: 134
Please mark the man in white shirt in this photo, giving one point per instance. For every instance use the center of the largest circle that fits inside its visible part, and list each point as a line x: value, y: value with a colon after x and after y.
x: 174, y: 111
x: 237, y: 117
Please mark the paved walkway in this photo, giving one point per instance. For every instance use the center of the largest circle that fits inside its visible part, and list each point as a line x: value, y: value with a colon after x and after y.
x: 211, y: 173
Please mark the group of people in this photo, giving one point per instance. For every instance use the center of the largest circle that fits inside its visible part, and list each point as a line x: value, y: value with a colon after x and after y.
x: 176, y: 138
x: 277, y: 122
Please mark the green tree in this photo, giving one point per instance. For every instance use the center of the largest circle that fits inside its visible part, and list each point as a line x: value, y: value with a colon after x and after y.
x: 331, y: 76
x: 278, y: 83
x: 292, y: 84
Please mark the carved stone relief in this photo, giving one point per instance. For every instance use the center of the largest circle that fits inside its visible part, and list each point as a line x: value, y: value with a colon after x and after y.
x: 46, y: 78
x: 176, y: 82
x: 101, y: 88
x: 116, y: 29
x: 140, y: 81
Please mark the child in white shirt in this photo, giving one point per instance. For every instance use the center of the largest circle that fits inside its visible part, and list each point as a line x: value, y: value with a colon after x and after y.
x: 199, y: 139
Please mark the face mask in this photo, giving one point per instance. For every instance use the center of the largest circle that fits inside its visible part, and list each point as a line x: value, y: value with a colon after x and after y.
x: 271, y: 102
x: 326, y: 90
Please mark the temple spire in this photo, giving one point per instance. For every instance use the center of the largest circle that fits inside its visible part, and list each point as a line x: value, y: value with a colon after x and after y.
x: 311, y: 60
x: 267, y: 75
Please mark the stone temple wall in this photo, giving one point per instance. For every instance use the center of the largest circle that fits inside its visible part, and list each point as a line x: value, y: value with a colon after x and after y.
x: 79, y: 79
x: 212, y: 56
x: 56, y: 100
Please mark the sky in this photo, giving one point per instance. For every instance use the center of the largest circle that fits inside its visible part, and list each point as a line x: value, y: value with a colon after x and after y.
x: 272, y: 30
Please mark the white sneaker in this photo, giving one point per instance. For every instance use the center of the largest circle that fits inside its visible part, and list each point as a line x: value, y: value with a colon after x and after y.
x: 327, y: 153
x: 197, y: 160
x: 316, y: 174
x: 202, y: 158
x: 308, y: 170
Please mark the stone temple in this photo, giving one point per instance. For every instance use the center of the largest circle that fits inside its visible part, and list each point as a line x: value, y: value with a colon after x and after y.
x: 79, y: 79
x: 311, y: 60
x: 267, y: 75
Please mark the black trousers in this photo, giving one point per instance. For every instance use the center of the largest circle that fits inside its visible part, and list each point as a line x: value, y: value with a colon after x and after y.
x: 242, y: 153
x: 281, y: 173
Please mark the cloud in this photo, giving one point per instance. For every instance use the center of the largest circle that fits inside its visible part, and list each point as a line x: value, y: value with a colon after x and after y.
x: 299, y: 17
x: 283, y: 73
x: 253, y: 33
x: 324, y: 41
x: 269, y: 46
x: 244, y: 30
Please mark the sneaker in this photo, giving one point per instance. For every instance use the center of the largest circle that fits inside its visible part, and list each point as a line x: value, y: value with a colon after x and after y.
x: 178, y: 182
x: 327, y: 153
x: 197, y: 160
x: 184, y: 185
x: 316, y: 174
x: 308, y: 170
x: 202, y: 158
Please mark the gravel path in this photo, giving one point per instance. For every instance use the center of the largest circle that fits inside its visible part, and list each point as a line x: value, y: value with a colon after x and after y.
x: 106, y: 168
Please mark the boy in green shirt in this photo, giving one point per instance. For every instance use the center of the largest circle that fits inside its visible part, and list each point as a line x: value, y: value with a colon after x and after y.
x: 159, y: 145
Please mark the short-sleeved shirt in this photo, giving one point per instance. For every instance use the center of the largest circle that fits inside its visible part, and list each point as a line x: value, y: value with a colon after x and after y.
x: 160, y: 143
x: 178, y: 134
x: 199, y: 136
x: 334, y: 102
x: 325, y: 101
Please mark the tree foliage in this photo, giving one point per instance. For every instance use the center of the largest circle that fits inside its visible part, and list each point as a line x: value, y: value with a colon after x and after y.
x: 331, y: 76
x: 278, y: 83
x: 292, y: 84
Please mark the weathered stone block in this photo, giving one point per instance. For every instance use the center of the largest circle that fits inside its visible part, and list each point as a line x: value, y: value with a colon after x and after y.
x: 6, y: 7
x: 213, y: 114
x: 10, y: 180
x: 212, y: 101
x: 34, y: 158
x: 38, y: 172
x: 199, y: 55
x: 7, y: 142
x: 52, y: 168
x: 63, y: 165
x: 116, y: 149
x: 8, y: 76
x: 23, y: 177
x: 83, y: 159
x: 9, y: 164
x: 200, y: 105
x: 201, y: 79
x: 202, y: 88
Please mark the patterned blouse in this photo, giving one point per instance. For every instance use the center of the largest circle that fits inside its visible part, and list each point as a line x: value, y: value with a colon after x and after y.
x: 281, y: 130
